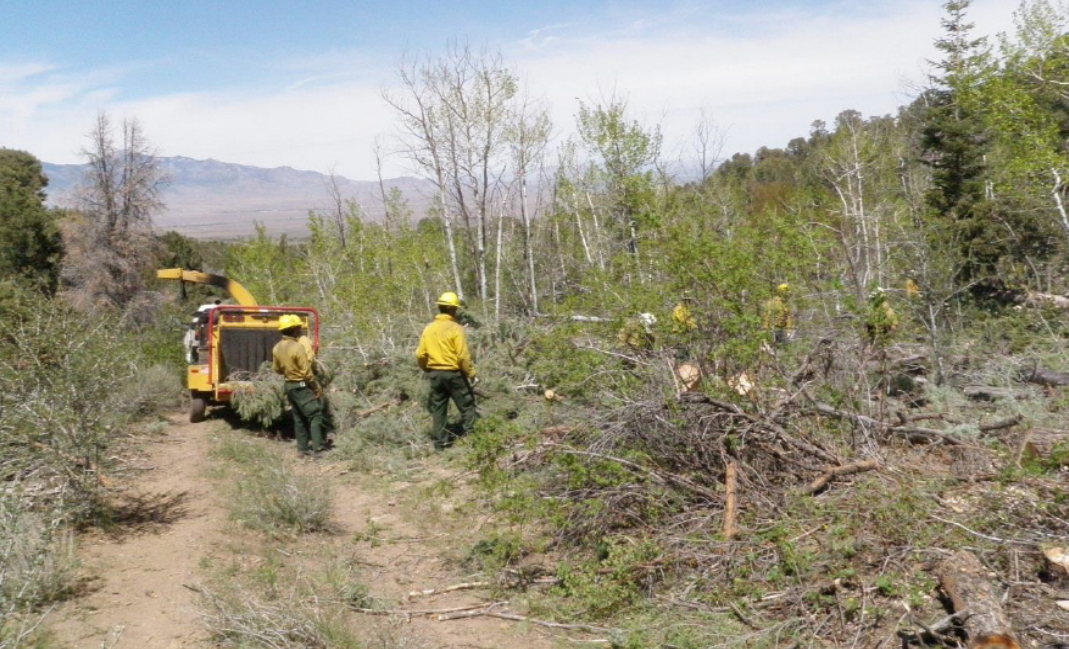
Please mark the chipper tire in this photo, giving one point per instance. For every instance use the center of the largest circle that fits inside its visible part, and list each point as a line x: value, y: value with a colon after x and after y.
x: 198, y: 408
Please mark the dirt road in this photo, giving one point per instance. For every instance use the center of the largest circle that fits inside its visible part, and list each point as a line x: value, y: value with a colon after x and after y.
x: 173, y: 523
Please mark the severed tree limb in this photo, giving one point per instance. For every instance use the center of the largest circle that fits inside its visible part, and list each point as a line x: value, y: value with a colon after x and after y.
x: 489, y: 612
x: 766, y: 424
x: 426, y: 611
x: 731, y: 484
x: 1009, y: 422
x: 448, y: 589
x: 656, y: 476
x: 834, y: 472
x: 967, y: 583
x: 373, y: 409
x: 912, y: 433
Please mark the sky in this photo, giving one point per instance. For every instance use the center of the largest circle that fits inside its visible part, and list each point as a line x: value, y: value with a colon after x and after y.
x: 285, y: 83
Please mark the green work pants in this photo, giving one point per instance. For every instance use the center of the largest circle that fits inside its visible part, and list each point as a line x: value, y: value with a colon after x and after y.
x: 446, y: 385
x: 307, y: 416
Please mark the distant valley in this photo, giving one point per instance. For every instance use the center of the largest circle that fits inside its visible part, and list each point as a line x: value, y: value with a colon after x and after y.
x: 208, y: 199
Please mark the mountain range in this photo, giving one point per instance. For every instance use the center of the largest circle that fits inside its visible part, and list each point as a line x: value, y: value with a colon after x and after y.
x: 209, y: 199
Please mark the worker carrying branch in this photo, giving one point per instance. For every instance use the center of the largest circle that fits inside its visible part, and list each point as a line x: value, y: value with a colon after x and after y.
x: 443, y: 355
x: 291, y: 360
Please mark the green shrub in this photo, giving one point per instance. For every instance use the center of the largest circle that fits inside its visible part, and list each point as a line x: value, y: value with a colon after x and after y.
x: 154, y: 390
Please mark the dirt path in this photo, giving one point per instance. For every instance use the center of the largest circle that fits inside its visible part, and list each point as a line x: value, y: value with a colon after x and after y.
x: 168, y: 520
x: 173, y: 523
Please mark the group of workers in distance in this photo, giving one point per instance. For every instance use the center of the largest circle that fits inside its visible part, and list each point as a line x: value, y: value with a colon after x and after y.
x: 442, y: 355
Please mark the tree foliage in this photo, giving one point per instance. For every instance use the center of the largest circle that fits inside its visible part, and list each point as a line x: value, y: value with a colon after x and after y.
x: 30, y: 245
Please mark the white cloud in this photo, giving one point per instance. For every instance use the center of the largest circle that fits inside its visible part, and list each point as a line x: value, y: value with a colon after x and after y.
x: 764, y: 76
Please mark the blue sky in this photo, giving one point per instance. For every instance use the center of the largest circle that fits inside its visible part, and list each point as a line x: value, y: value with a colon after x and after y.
x: 299, y: 83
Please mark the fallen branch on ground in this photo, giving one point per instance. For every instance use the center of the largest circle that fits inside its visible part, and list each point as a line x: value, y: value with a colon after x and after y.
x: 965, y: 581
x: 489, y: 612
x: 821, y: 482
x: 373, y: 409
x: 448, y: 589
x: 1009, y: 422
x: 912, y: 433
x: 426, y: 611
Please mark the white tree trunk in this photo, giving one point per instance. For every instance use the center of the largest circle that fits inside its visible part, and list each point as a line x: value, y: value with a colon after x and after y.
x: 528, y: 249
x: 497, y: 263
x: 447, y: 220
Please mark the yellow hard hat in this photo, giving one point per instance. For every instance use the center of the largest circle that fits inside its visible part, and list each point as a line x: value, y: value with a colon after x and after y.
x: 289, y: 320
x: 449, y: 298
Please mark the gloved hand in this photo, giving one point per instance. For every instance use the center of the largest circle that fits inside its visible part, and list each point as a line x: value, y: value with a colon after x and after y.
x: 474, y: 381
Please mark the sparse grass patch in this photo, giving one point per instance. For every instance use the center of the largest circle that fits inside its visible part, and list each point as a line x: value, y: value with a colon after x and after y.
x: 240, y: 618
x: 275, y: 499
x: 268, y: 495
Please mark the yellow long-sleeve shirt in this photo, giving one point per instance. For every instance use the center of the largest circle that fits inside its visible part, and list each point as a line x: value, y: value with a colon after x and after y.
x: 289, y: 359
x: 444, y: 347
x: 309, y: 348
x: 683, y: 319
x: 778, y: 315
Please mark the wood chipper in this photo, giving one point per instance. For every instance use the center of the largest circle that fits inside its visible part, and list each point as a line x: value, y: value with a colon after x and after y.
x: 227, y: 343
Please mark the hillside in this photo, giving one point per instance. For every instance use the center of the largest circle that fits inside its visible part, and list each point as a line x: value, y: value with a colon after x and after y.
x: 209, y: 199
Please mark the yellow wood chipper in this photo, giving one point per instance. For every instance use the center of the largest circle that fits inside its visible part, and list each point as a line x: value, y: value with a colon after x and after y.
x: 227, y: 343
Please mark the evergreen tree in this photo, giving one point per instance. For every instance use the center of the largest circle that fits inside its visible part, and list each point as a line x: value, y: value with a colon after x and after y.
x: 953, y: 141
x: 30, y: 246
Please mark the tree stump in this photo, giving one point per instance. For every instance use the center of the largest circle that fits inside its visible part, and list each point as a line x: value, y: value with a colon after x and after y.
x: 968, y: 585
x: 1056, y: 565
x: 971, y: 462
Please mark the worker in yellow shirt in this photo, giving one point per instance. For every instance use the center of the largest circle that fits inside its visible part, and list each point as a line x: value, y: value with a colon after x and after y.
x: 682, y: 319
x: 290, y: 359
x: 881, y: 322
x: 443, y: 355
x: 778, y: 315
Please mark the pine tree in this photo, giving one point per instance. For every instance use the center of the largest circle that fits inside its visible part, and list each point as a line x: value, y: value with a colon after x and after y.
x: 953, y: 142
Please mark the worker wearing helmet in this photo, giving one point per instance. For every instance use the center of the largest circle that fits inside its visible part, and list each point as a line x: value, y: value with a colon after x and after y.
x: 777, y: 317
x: 443, y: 355
x: 290, y: 359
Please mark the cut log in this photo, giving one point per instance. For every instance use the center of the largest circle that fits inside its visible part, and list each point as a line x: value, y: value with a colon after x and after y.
x: 1009, y: 422
x: 987, y: 393
x: 1043, y: 376
x: 731, y: 483
x: 1047, y: 300
x: 821, y: 482
x: 968, y: 585
x: 1039, y: 443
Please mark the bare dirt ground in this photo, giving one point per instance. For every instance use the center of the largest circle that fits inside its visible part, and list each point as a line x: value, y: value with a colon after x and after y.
x: 142, y: 575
